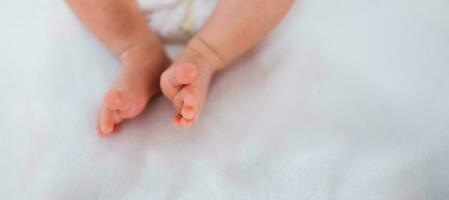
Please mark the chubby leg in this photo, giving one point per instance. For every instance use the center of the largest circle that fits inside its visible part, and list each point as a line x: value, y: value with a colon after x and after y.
x: 122, y: 27
x: 234, y: 27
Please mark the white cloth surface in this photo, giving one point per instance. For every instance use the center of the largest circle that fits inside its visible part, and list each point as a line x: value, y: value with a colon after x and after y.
x: 344, y: 100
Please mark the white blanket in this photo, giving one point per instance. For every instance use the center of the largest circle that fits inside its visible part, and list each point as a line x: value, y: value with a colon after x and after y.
x: 346, y: 99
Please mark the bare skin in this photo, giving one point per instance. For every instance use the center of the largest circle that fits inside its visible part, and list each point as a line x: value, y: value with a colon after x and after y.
x: 121, y: 26
x: 234, y: 27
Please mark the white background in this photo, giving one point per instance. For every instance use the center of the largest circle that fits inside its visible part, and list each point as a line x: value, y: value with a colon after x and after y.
x: 346, y: 99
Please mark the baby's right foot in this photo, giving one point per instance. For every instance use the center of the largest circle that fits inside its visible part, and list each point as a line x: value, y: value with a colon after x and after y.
x: 136, y: 83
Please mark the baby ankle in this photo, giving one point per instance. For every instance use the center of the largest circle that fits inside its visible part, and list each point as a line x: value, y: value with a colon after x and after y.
x: 142, y: 52
x: 204, y: 50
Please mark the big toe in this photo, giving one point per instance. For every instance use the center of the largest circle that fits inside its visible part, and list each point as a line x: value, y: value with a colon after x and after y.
x: 175, y: 77
x: 185, y: 73
x: 120, y: 100
x: 107, y: 121
x: 188, y: 112
x: 188, y: 108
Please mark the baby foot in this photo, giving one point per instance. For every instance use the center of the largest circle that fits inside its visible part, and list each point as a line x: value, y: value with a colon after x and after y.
x: 186, y: 83
x: 136, y: 83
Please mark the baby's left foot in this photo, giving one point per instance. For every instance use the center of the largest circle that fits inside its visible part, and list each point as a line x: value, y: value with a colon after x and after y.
x: 186, y: 83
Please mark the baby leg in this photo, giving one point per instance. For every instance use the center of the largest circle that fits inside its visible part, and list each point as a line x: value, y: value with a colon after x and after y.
x: 234, y: 27
x: 122, y: 27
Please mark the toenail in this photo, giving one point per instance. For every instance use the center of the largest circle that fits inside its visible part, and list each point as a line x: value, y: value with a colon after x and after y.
x: 188, y: 114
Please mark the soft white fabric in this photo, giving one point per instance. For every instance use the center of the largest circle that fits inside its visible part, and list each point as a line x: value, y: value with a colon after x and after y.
x: 174, y: 19
x: 345, y: 100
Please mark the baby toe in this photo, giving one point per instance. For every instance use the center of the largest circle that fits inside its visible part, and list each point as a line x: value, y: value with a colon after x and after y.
x: 176, y: 120
x: 119, y: 100
x: 188, y: 112
x: 190, y: 99
x: 178, y: 102
x: 186, y: 122
x: 168, y: 89
x: 185, y: 74
x: 108, y: 119
x: 175, y: 77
